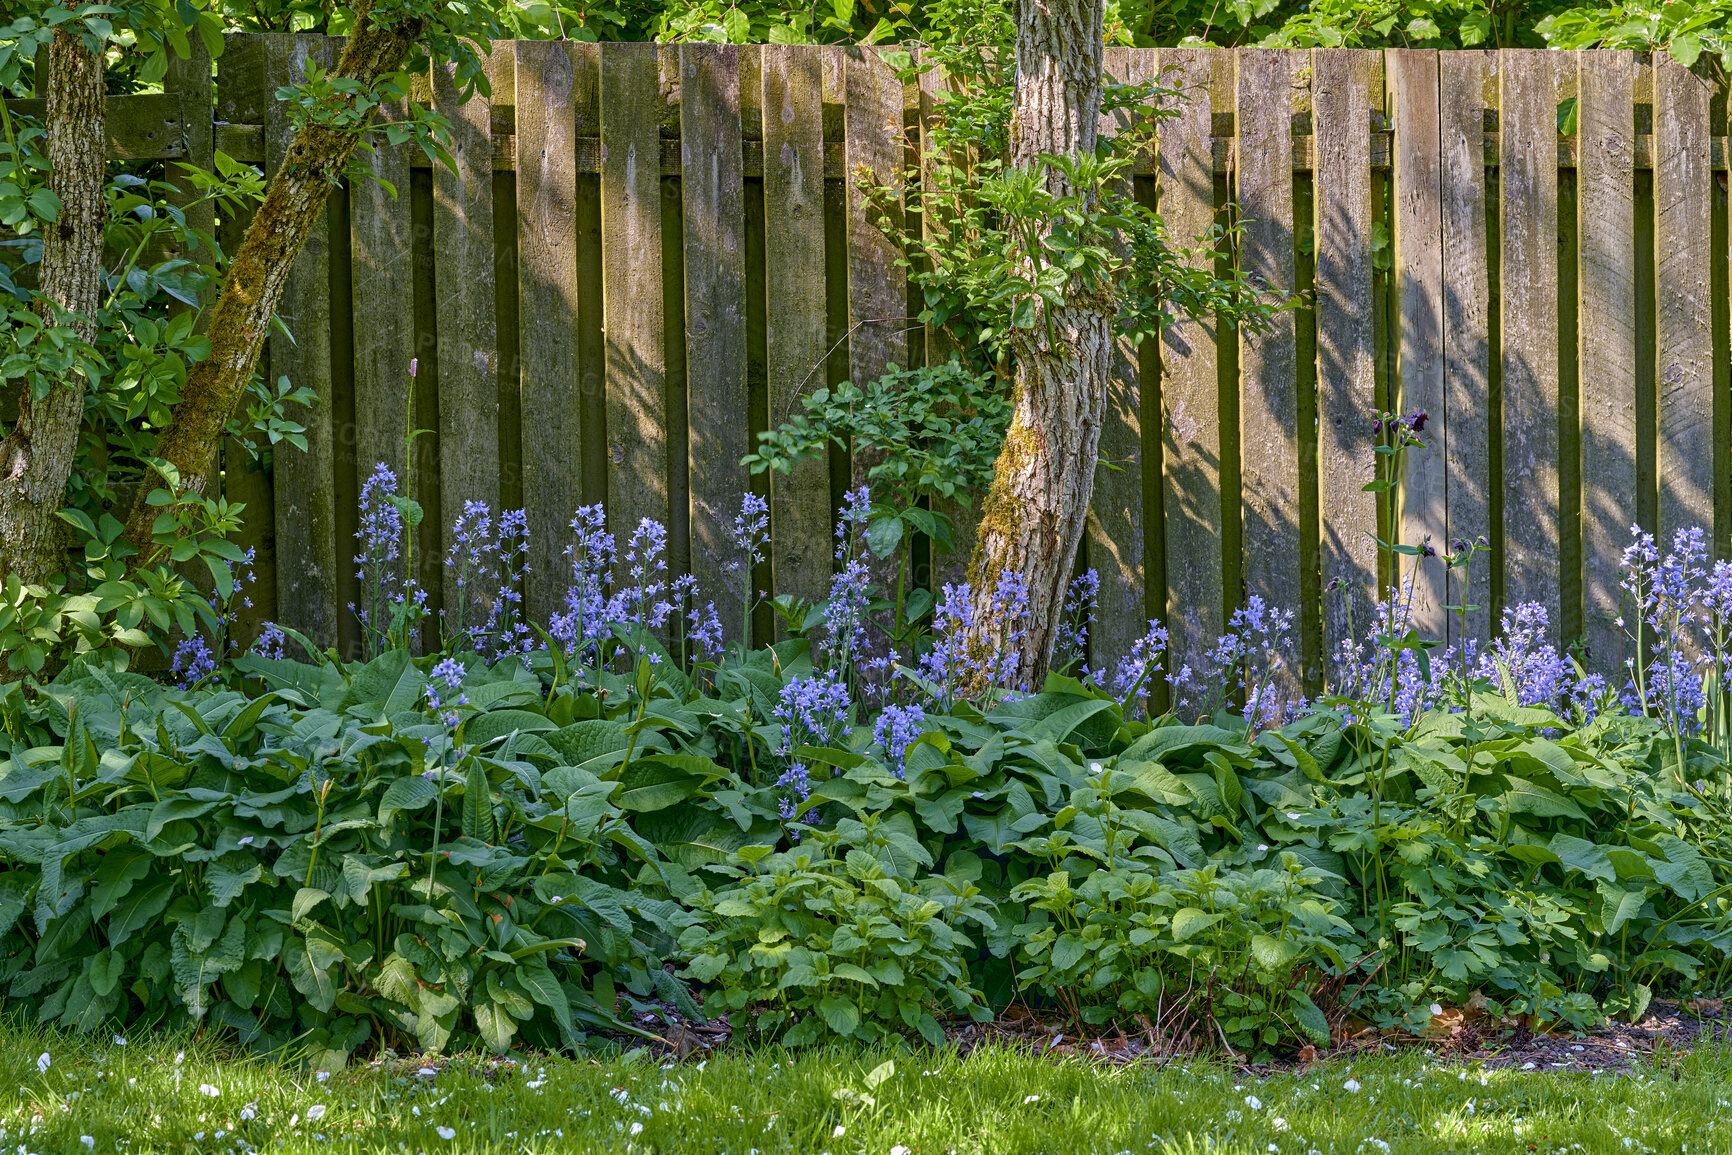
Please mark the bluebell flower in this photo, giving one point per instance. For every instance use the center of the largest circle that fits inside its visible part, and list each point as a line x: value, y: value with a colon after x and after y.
x: 380, y: 534
x: 751, y: 534
x: 1137, y: 670
x: 1070, y: 637
x: 271, y: 642
x: 895, y: 730
x: 193, y: 662
x: 444, y: 688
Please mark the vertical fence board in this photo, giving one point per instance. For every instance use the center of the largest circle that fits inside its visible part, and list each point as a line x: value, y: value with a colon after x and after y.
x: 247, y: 482
x: 1466, y: 316
x: 877, y: 288
x: 1528, y: 227
x: 792, y: 78
x: 1115, y: 523
x: 553, y: 79
x: 713, y: 191
x: 1684, y: 343
x: 1346, y: 359
x: 951, y: 568
x: 463, y: 290
x: 191, y: 78
x: 304, y: 484
x: 1417, y: 236
x: 1606, y: 223
x: 381, y: 253
x: 631, y: 228
x: 1190, y: 391
x: 1268, y: 362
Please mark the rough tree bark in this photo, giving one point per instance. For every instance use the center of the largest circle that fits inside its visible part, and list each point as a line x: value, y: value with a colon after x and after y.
x: 1033, y: 517
x: 258, y: 273
x: 36, y: 458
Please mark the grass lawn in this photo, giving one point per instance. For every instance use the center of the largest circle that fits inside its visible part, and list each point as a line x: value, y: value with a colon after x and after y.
x: 153, y: 1095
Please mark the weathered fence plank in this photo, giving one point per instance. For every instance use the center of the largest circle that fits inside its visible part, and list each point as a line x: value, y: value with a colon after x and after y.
x: 1683, y: 335
x: 713, y: 193
x: 1417, y: 236
x: 1346, y: 357
x: 935, y: 221
x: 1606, y: 236
x: 631, y: 228
x: 553, y: 79
x: 1190, y: 390
x: 792, y: 79
x: 1268, y: 362
x: 464, y: 296
x: 1116, y: 532
x: 304, y: 484
x: 877, y: 288
x: 1528, y: 311
x: 381, y: 240
x: 1462, y: 78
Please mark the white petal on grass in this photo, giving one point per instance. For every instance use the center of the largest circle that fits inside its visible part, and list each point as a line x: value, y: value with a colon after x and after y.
x: 838, y: 1132
x: 446, y: 1132
x: 315, y: 1112
x: 207, y: 1089
x: 43, y: 1062
x: 1253, y: 1102
x: 1351, y: 1085
x: 1027, y: 1099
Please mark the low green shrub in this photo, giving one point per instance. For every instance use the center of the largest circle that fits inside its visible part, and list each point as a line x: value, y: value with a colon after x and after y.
x: 838, y: 937
x: 1127, y: 943
x: 321, y: 863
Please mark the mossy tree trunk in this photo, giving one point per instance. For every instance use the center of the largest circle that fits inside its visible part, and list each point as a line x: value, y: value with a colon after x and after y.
x: 259, y: 271
x: 36, y: 458
x: 1033, y: 517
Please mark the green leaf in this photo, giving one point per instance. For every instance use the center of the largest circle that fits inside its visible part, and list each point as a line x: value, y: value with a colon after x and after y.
x: 1188, y: 920
x: 229, y: 875
x: 1620, y: 905
x: 315, y: 982
x: 478, y: 804
x: 387, y: 685
x: 495, y: 1025
x: 410, y: 793
x: 1581, y: 855
x: 840, y: 1013
x: 1311, y: 1020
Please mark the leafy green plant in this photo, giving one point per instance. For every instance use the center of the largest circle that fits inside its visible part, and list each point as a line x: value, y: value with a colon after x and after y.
x: 324, y: 863
x: 1124, y: 943
x: 837, y: 937
x: 1684, y: 29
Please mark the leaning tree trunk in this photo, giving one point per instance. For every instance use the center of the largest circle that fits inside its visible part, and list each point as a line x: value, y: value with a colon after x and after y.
x: 36, y: 459
x: 258, y: 273
x: 1033, y: 516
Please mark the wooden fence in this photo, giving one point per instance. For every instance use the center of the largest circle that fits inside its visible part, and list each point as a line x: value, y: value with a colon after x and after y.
x: 645, y: 253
